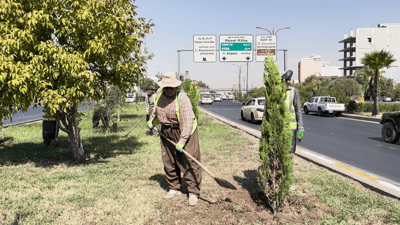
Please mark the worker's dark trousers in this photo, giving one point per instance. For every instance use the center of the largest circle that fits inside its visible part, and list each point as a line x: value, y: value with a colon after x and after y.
x: 100, y: 114
x: 176, y: 162
x: 294, y: 142
x: 48, y: 131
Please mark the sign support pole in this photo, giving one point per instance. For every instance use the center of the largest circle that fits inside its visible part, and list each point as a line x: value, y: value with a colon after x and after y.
x: 247, y: 80
x: 179, y: 59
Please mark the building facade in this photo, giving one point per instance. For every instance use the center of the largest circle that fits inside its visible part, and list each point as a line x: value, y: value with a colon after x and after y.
x: 314, y: 65
x: 384, y: 37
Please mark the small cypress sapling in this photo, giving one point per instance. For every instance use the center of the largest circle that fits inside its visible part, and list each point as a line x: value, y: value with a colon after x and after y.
x: 275, y: 174
x: 186, y: 85
x: 194, y: 96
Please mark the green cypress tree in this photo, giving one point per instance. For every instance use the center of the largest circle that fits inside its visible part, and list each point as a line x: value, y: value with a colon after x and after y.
x: 186, y: 85
x: 275, y: 174
x: 194, y: 96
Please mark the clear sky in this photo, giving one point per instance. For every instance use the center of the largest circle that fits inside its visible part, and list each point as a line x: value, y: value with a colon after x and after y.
x: 316, y: 28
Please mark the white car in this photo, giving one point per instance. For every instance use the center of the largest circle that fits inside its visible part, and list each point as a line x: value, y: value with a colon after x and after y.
x: 224, y: 97
x: 324, y: 105
x: 206, y: 99
x: 230, y: 97
x: 218, y: 98
x: 253, y: 110
x: 387, y: 99
x: 130, y: 98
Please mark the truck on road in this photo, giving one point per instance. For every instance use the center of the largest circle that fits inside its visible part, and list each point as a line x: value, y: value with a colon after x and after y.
x: 390, y: 130
x: 324, y: 105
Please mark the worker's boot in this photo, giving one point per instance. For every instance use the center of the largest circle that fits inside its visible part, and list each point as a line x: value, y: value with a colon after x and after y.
x: 171, y: 194
x: 192, y: 199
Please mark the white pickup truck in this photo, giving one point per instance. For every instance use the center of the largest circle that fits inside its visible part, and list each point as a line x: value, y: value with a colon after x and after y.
x: 324, y: 105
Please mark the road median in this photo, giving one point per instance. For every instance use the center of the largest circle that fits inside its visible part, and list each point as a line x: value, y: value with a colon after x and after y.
x: 123, y: 181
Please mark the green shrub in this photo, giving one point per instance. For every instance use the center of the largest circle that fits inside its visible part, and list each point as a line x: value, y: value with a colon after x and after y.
x: 367, y: 107
x: 352, y: 106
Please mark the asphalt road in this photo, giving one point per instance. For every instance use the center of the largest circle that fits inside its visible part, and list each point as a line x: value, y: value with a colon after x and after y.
x: 31, y: 114
x: 353, y: 142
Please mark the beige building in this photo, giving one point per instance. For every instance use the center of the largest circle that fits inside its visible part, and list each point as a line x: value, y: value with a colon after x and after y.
x: 384, y: 37
x: 314, y: 65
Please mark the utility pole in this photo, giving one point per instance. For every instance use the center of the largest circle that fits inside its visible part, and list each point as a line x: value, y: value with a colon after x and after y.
x: 240, y: 71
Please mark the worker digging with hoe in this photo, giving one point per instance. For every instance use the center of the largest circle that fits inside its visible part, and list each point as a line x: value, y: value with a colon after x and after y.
x: 173, y: 110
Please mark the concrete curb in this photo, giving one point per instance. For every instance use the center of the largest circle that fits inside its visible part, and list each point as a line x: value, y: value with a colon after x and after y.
x: 25, y: 122
x: 359, y: 117
x: 371, y: 182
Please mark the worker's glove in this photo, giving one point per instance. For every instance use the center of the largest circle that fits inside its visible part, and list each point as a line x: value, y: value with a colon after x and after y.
x: 179, y: 147
x: 150, y: 125
x: 300, y: 135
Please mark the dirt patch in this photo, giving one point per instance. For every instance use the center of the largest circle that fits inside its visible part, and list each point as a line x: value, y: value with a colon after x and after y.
x: 244, y: 206
x: 247, y: 205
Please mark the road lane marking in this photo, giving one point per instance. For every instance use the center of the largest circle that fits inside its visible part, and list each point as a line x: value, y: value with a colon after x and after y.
x: 331, y: 134
x: 356, y: 172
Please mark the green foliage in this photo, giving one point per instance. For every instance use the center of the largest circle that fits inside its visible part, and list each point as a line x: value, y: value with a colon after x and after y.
x: 376, y: 61
x: 201, y: 84
x: 148, y: 82
x: 61, y: 52
x: 342, y: 89
x: 363, y: 77
x: 257, y: 92
x: 137, y: 98
x: 367, y: 107
x: 186, y: 85
x: 275, y: 174
x: 349, y: 86
x: 111, y: 100
x: 194, y: 96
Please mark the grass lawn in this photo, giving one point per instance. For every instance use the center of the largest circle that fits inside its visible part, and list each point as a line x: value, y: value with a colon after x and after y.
x: 123, y: 182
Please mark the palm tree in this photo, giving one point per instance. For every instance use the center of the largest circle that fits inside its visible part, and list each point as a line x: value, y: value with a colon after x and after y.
x: 376, y: 61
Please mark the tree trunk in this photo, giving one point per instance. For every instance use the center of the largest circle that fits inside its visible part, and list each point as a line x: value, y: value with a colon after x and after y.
x: 68, y: 122
x: 119, y: 110
x: 375, y: 109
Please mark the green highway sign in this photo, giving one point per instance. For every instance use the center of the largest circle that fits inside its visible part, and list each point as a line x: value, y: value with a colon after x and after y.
x: 236, y: 48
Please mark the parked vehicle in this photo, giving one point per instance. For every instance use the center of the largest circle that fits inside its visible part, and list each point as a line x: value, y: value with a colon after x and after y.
x: 324, y: 105
x: 218, y: 98
x: 230, y: 96
x: 224, y: 97
x: 130, y: 98
x: 387, y: 99
x: 253, y: 110
x: 206, y: 99
x: 390, y: 129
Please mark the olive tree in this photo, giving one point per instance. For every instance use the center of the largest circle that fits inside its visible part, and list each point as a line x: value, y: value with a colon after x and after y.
x: 60, y: 52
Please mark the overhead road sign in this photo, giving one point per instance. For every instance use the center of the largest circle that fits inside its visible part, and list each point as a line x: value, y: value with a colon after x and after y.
x: 236, y: 48
x: 263, y: 44
x: 204, y: 48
